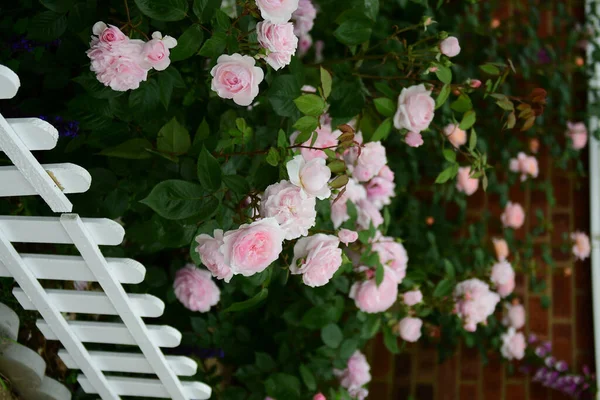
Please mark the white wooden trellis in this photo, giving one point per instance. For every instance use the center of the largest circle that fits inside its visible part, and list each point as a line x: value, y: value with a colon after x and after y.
x: 18, y: 137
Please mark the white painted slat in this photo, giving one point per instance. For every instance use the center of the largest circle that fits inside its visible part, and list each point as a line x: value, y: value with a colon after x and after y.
x: 131, y: 362
x: 74, y: 268
x: 9, y: 83
x: 72, y: 179
x: 142, y: 387
x: 114, y: 333
x: 88, y: 302
x: 35, y: 133
x: 49, y: 230
x: 95, y: 260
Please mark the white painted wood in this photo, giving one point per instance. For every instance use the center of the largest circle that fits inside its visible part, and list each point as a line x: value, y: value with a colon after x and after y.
x: 22, y: 158
x: 72, y: 179
x: 9, y: 83
x: 88, y: 302
x: 92, y: 255
x: 114, y: 333
x: 148, y: 387
x: 54, y: 319
x: 48, y: 390
x: 131, y: 362
x: 74, y: 268
x: 9, y: 323
x: 49, y: 230
x: 35, y: 133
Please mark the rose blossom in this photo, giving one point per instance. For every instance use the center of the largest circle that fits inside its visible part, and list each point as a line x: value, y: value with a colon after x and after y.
x: 410, y: 329
x: 369, y: 162
x: 578, y: 134
x: 155, y: 53
x: 325, y: 139
x: 464, y: 182
x: 304, y: 16
x: 413, y: 297
x: 319, y: 47
x: 210, y: 254
x: 277, y: 11
x: 294, y: 213
x: 319, y: 396
x: 108, y: 34
x: 371, y: 298
x: 455, y: 135
x: 279, y: 40
x: 380, y: 191
x: 311, y: 177
x: 526, y: 165
x: 123, y: 74
x: 475, y: 83
x: 358, y: 393
x: 514, y: 316
x: 581, y: 246
x: 513, y: 216
x: 415, y: 109
x: 235, y: 77
x: 305, y: 42
x: 355, y: 192
x: 503, y: 276
x: 368, y: 214
x: 386, y: 173
x: 513, y: 345
x: 474, y: 302
x: 357, y: 372
x: 195, y: 289
x: 501, y: 248
x: 347, y: 236
x: 319, y: 257
x: 413, y: 139
x: 251, y: 248
x: 391, y: 254
x: 450, y: 47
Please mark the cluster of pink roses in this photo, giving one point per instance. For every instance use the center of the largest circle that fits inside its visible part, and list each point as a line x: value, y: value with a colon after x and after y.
x: 355, y: 376
x: 577, y: 132
x: 304, y: 18
x: 122, y: 63
x: 415, y: 112
x: 524, y: 164
x: 474, y: 302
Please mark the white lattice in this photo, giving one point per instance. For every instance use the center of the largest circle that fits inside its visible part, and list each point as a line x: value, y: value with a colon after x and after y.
x: 18, y: 137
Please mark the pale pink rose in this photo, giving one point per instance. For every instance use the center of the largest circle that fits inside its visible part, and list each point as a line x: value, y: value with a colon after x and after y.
x: 195, y: 289
x: 474, y: 302
x: 123, y: 74
x: 386, y: 173
x: 304, y: 17
x: 357, y: 372
x: 81, y: 285
x: 578, y: 134
x: 526, y: 165
x: 308, y: 89
x: 235, y: 77
x: 319, y: 396
x: 450, y: 47
x: 305, y: 42
x: 311, y: 177
x: 325, y: 139
x: 319, y: 47
x: 277, y: 11
x: 371, y: 298
x: 317, y: 258
x: 413, y: 297
x: 380, y: 191
x: 464, y: 182
x: 501, y: 248
x: 279, y: 40
x: 513, y: 216
x: 210, y: 254
x: 514, y: 316
x: 513, y: 345
x: 347, y: 236
x: 355, y: 192
x: 155, y: 53
x: 455, y: 135
x: 391, y: 254
x: 413, y: 139
x: 251, y: 248
x: 110, y: 35
x: 503, y: 276
x: 410, y: 329
x: 415, y: 109
x: 368, y: 214
x: 475, y: 83
x: 294, y: 213
x: 581, y: 246
x: 369, y: 162
x: 358, y: 393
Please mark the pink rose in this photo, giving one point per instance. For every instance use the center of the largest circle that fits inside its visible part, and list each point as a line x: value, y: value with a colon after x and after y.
x: 581, y: 246
x: 294, y: 213
x: 513, y: 216
x: 410, y: 329
x: 210, y: 254
x: 279, y: 40
x: 415, y: 109
x: 251, y: 248
x: 368, y: 214
x: 413, y: 139
x: 413, y: 297
x: 380, y: 191
x: 305, y: 42
x: 464, y: 182
x: 503, y: 276
x: 474, y: 302
x: 475, y: 83
x: 311, y: 177
x: 371, y: 298
x: 358, y: 393
x: 526, y: 165
x: 304, y: 16
x: 355, y: 192
x: 391, y: 254
x: 195, y: 289
x: 369, y: 162
x: 277, y: 11
x: 319, y: 396
x: 123, y: 74
x: 325, y: 139
x: 319, y: 47
x: 578, y: 134
x: 501, y: 248
x: 357, y: 372
x: 450, y: 47
x: 155, y: 53
x: 386, y: 173
x: 319, y: 257
x: 455, y: 135
x: 514, y: 316
x: 235, y: 77
x: 347, y: 236
x: 110, y: 35
x: 513, y: 345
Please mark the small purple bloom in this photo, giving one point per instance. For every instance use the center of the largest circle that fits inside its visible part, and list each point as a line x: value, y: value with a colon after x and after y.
x: 543, y: 57
x: 532, y: 338
x: 550, y: 361
x: 540, y: 351
x: 561, y: 366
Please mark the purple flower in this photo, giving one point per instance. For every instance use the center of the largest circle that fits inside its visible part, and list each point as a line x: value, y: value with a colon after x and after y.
x: 543, y: 57
x: 550, y: 361
x: 65, y: 128
x: 561, y: 366
x: 532, y: 338
x: 22, y: 44
x: 540, y: 351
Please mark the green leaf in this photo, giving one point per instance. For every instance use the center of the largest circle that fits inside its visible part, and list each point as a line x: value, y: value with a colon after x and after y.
x: 214, y: 46
x: 319, y: 316
x: 382, y: 131
x: 449, y: 268
x: 308, y: 377
x: 326, y: 82
x: 354, y: 31
x: 209, y: 171
x: 443, y: 96
x: 385, y: 107
x: 133, y: 149
x: 282, y: 139
x: 332, y: 335
x: 490, y: 69
x: 370, y: 327
x: 250, y: 303
x: 173, y: 138
x: 390, y: 340
x: 444, y: 74
x: 205, y: 9
x: 176, y: 199
x: 462, y: 104
x: 97, y: 90
x: 188, y: 43
x: 47, y: 26
x: 473, y: 140
x: 310, y: 104
x: 447, y: 174
x: 59, y: 6
x: 163, y: 10
x: 273, y: 157
x: 282, y: 92
x: 146, y: 98
x: 443, y: 288
x: 238, y: 184
x: 265, y: 362
x: 379, y: 274
x: 449, y: 155
x: 371, y: 9
x: 306, y: 124
x: 468, y: 120
x: 283, y: 386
